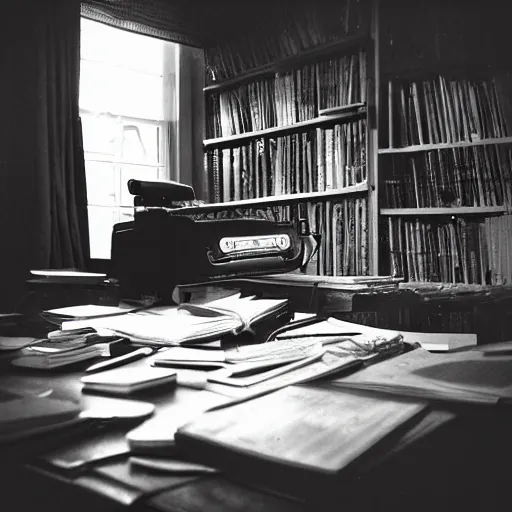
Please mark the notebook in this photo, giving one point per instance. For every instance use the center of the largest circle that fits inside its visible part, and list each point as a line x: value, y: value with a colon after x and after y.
x: 297, y: 438
x: 128, y: 379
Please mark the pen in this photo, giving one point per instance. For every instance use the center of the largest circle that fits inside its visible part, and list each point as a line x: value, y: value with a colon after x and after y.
x: 121, y: 360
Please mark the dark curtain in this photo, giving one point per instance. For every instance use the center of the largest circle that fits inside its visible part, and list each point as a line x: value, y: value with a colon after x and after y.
x: 43, y: 203
x: 178, y: 21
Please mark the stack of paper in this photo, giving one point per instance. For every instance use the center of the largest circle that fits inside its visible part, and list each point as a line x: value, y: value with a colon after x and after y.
x: 362, y: 334
x: 187, y: 323
x: 342, y: 337
x: 49, y: 354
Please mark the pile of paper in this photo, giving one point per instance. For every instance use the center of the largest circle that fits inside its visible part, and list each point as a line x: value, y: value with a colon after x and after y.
x: 48, y: 354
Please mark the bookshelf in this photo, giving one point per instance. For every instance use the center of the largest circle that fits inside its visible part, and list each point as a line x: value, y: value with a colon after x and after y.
x: 390, y: 121
x: 445, y: 144
x: 288, y: 121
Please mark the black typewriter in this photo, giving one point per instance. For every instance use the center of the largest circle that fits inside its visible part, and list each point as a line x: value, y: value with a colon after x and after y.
x: 175, y: 239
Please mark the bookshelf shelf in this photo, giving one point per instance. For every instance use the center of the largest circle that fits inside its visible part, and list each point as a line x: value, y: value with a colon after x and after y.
x: 282, y: 200
x: 345, y: 116
x: 309, y: 55
x: 445, y: 145
x: 460, y: 210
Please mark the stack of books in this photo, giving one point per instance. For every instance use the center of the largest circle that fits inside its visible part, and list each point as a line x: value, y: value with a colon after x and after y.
x: 48, y: 355
x: 59, y: 350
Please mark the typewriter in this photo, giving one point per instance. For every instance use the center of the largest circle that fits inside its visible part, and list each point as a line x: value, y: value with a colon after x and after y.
x: 175, y: 239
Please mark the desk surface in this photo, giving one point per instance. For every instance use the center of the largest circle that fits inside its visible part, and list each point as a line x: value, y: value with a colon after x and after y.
x: 461, y: 471
x: 450, y: 473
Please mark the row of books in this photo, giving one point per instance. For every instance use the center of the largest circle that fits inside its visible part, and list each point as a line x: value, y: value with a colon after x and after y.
x: 457, y: 251
x: 313, y: 161
x: 288, y: 97
x: 441, y: 110
x: 286, y: 32
x: 343, y: 225
x: 468, y: 176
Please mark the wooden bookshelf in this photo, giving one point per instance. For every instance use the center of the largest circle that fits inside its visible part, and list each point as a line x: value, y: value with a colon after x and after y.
x: 325, y: 51
x: 446, y: 121
x: 459, y: 210
x: 445, y: 145
x: 346, y: 115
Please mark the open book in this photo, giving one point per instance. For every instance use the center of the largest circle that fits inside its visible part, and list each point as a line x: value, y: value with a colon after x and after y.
x: 187, y: 323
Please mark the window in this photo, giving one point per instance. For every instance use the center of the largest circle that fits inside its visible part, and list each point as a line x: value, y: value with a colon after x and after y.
x: 127, y: 104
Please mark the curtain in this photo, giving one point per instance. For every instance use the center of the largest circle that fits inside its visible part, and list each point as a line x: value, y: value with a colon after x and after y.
x: 173, y: 20
x: 43, y: 203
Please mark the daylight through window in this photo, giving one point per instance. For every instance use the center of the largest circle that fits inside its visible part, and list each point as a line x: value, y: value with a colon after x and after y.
x: 127, y: 99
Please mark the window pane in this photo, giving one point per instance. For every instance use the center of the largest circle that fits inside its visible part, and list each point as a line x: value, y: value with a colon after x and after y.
x: 140, y: 143
x: 101, y: 135
x: 102, y: 43
x: 121, y: 85
x: 101, y: 183
x: 107, y: 88
x: 136, y: 172
x: 101, y: 222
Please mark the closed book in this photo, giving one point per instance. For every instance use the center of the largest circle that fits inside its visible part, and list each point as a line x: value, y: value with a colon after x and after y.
x: 129, y: 379
x: 34, y: 357
x: 299, y: 440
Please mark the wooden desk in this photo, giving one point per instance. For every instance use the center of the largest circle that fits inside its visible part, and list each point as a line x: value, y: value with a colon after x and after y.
x: 112, y: 484
x: 457, y: 470
x: 461, y: 470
